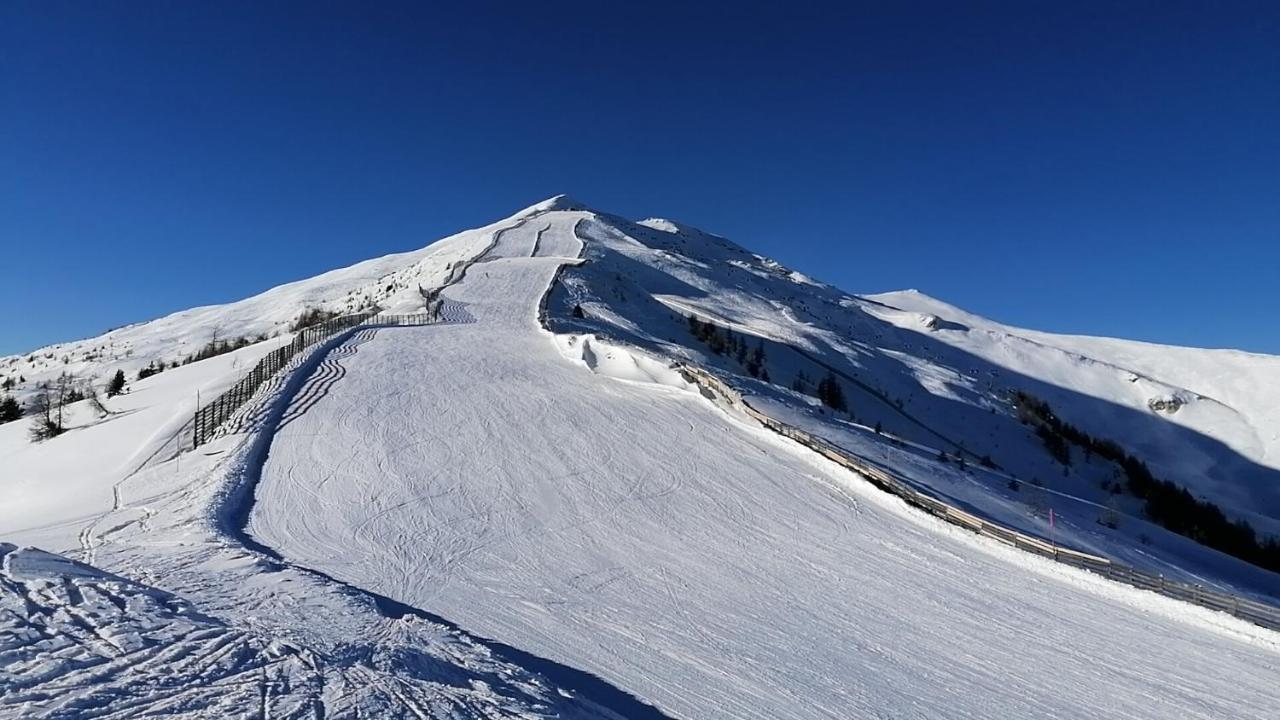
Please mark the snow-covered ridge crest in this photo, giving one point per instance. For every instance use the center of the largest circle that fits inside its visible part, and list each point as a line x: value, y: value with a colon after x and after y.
x: 630, y: 530
x: 945, y: 380
x: 554, y: 203
x: 392, y: 282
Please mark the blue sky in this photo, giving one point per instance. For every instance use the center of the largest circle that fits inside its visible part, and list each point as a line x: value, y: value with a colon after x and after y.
x: 1063, y: 166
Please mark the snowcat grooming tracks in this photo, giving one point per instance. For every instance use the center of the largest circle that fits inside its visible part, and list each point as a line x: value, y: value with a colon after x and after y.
x: 1260, y: 614
x: 211, y: 419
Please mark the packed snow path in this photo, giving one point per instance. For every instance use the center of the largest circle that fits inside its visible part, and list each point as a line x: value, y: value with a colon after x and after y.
x: 636, y: 532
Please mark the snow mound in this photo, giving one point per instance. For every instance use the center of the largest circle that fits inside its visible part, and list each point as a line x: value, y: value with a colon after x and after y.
x: 617, y: 361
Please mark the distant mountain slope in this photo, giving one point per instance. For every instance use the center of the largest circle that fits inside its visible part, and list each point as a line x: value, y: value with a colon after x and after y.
x: 946, y: 381
x: 1227, y: 396
x: 390, y: 282
x: 921, y: 371
x: 1244, y: 383
x: 598, y: 537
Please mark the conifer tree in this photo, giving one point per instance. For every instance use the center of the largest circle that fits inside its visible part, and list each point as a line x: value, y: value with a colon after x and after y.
x: 830, y: 393
x: 116, y: 386
x: 10, y: 409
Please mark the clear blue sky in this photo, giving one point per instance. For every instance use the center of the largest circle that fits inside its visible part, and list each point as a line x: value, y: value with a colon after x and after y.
x: 1063, y: 166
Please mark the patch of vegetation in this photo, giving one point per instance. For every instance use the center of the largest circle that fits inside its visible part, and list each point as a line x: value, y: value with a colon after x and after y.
x: 312, y: 316
x: 1165, y: 503
x: 216, y: 347
x: 152, y: 368
x: 723, y: 341
x: 10, y: 409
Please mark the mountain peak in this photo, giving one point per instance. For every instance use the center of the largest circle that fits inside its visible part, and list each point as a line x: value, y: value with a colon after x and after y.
x: 553, y: 203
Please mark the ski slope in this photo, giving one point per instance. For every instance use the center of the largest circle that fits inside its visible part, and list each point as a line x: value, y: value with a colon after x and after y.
x: 168, y: 614
x: 391, y: 282
x: 923, y: 379
x: 575, y: 499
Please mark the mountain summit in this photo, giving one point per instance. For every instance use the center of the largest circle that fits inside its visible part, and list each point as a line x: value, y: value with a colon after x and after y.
x: 568, y: 464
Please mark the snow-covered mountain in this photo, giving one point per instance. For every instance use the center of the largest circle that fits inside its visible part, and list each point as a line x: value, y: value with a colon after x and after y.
x: 942, y: 379
x: 525, y: 511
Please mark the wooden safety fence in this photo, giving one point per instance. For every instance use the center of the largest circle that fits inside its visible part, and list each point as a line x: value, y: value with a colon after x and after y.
x: 211, y: 416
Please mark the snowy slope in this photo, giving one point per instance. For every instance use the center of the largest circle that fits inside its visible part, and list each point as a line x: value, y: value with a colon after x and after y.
x: 390, y: 282
x: 175, y: 617
x: 579, y: 500
x: 1227, y: 395
x: 483, y: 519
x: 932, y: 385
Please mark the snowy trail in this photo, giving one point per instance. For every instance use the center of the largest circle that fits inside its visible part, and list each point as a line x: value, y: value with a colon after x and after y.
x: 636, y: 532
x: 188, y: 622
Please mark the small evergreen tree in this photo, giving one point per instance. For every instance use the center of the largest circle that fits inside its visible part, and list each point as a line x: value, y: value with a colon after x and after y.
x: 1039, y: 498
x: 46, y: 421
x: 10, y: 409
x: 830, y: 393
x: 116, y: 386
x: 1110, y: 516
x: 801, y: 383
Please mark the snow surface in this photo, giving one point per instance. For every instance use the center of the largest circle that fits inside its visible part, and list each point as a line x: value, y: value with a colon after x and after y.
x: 1228, y: 395
x: 934, y: 381
x: 188, y: 621
x: 483, y: 519
x: 618, y: 522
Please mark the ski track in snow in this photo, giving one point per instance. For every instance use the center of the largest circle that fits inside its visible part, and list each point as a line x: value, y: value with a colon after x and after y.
x: 270, y: 639
x: 636, y: 532
x: 622, y: 541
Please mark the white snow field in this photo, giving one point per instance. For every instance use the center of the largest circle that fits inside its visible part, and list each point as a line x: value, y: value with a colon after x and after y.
x: 929, y: 379
x: 577, y: 500
x: 180, y: 619
x: 481, y: 518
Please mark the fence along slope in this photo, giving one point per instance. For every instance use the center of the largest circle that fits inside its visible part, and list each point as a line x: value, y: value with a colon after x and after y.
x: 1257, y: 613
x: 210, y: 418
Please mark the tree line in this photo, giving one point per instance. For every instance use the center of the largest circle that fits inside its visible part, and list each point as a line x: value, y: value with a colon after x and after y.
x: 752, y: 358
x: 1165, y: 503
x: 723, y: 341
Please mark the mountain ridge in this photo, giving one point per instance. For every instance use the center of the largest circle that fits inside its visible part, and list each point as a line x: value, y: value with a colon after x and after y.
x: 953, y: 372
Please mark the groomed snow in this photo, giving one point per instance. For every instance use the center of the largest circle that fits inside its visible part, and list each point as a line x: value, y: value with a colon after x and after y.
x: 618, y: 523
x: 935, y: 379
x: 481, y: 519
x: 174, y: 617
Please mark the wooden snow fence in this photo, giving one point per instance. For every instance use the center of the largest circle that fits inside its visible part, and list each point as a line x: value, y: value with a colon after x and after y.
x: 210, y: 417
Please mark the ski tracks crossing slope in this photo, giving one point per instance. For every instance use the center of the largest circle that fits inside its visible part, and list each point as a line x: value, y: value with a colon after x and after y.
x: 639, y: 533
